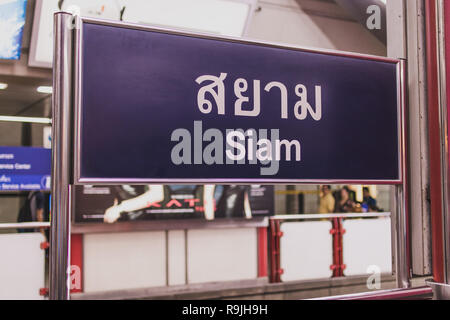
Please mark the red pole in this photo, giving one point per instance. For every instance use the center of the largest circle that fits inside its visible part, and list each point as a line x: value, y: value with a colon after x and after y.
x: 341, y: 232
x: 434, y: 141
x: 335, y: 232
x: 447, y: 77
x: 279, y: 234
x: 275, y: 267
x: 262, y: 252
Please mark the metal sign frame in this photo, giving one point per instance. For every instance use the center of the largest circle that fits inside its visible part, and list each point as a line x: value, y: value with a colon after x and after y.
x: 67, y: 110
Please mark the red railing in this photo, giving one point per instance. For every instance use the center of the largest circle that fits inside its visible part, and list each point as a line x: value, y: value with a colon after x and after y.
x: 337, y: 231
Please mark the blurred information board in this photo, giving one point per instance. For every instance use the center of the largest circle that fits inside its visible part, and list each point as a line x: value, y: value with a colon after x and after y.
x: 24, y: 168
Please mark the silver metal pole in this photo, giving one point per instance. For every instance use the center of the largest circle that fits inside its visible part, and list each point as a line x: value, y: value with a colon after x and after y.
x: 401, y: 261
x: 61, y: 158
x: 401, y: 232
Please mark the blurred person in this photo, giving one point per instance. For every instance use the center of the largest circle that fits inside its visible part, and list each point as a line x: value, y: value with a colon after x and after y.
x: 369, y: 203
x: 32, y: 211
x: 345, y: 204
x: 351, y: 194
x: 327, y: 201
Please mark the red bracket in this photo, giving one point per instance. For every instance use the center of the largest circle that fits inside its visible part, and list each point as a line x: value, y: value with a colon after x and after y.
x: 45, y: 245
x: 43, y: 292
x: 337, y: 232
x: 275, y: 235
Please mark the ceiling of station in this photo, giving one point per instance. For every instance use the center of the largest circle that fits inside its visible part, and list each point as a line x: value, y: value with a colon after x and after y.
x: 22, y: 99
x: 21, y: 96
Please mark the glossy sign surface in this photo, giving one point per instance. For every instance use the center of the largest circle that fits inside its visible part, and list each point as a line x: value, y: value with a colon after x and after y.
x: 165, y: 107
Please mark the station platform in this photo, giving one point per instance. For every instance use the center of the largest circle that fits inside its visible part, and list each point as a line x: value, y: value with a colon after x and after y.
x: 252, y: 290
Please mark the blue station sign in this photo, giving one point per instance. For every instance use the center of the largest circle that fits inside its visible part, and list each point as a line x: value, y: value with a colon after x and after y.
x: 164, y: 106
x: 24, y: 168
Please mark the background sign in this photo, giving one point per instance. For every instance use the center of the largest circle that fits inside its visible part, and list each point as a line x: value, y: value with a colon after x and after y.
x: 178, y: 202
x: 12, y: 21
x: 165, y: 107
x: 24, y: 168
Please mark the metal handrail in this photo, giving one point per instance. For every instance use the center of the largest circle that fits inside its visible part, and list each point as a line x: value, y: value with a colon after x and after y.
x: 390, y: 294
x: 25, y: 225
x: 441, y: 291
x: 330, y: 216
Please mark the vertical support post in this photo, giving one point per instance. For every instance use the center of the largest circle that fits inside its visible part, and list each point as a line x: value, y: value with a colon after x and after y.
x: 275, y: 264
x: 397, y: 44
x: 262, y: 252
x: 277, y: 251
x: 341, y: 232
x: 401, y: 196
x: 401, y: 247
x: 61, y: 158
x: 435, y: 141
x: 337, y: 232
x: 418, y: 141
x: 336, y: 261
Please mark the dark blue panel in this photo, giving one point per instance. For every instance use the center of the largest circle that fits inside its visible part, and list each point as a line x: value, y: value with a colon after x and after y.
x: 139, y: 86
x: 24, y: 168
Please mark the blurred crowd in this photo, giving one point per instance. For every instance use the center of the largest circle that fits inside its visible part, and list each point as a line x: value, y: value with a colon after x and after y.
x: 343, y: 200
